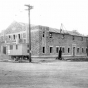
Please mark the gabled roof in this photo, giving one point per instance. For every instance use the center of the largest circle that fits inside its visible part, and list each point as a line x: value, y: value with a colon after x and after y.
x: 2, y: 33
x: 15, y: 27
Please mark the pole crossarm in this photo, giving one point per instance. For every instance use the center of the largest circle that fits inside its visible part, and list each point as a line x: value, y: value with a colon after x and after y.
x: 29, y: 7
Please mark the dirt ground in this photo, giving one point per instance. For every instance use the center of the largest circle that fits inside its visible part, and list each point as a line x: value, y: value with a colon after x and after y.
x: 59, y: 74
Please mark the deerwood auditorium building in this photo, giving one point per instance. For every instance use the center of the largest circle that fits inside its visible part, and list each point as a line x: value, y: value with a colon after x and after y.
x: 45, y: 41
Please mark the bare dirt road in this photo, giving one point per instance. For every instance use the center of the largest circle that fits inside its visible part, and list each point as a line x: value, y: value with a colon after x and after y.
x: 44, y: 75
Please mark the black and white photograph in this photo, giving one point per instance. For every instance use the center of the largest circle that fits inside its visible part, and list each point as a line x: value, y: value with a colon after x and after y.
x: 43, y: 43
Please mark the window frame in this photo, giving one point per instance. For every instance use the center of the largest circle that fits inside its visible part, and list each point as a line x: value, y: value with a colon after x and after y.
x: 43, y: 49
x: 9, y: 36
x: 24, y: 35
x: 81, y: 38
x: 63, y: 49
x: 11, y: 47
x: 16, y: 47
x: 50, y: 49
x: 43, y: 35
x: 57, y: 49
x: 50, y: 34
x: 86, y: 49
x: 73, y: 37
x: 78, y: 50
x: 69, y: 49
x: 82, y: 49
x: 27, y: 50
x: 14, y: 37
x: 19, y: 36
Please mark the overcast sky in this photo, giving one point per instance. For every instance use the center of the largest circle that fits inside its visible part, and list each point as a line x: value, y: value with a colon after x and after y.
x: 72, y: 13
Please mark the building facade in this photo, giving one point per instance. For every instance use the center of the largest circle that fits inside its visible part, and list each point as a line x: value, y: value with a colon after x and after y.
x: 72, y: 43
x: 45, y: 41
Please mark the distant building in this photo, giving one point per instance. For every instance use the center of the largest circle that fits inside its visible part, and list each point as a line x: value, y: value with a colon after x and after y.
x: 45, y: 41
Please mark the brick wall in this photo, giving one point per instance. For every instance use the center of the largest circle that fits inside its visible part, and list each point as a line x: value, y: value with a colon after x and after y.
x: 38, y: 41
x: 59, y: 40
x: 35, y: 42
x: 43, y: 34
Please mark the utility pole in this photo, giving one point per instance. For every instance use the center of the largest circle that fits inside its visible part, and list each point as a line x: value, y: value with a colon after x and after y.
x: 29, y: 8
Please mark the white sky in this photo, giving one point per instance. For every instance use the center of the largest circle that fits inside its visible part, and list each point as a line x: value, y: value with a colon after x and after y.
x: 72, y: 13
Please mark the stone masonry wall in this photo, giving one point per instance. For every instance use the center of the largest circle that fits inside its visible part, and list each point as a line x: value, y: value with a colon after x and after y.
x: 35, y: 43
x: 59, y: 40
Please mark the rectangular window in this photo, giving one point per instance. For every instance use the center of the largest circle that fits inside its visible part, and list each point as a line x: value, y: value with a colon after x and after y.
x: 82, y: 50
x: 86, y: 49
x: 24, y: 35
x: 77, y: 50
x: 16, y: 46
x: 27, y: 45
x: 63, y: 50
x: 43, y: 50
x: 82, y: 38
x: 68, y: 50
x: 13, y: 36
x: 57, y: 49
x: 73, y: 38
x: 11, y: 47
x: 9, y: 36
x: 19, y: 36
x: 50, y: 35
x: 51, y: 49
x: 27, y: 51
x: 24, y: 40
x: 43, y: 33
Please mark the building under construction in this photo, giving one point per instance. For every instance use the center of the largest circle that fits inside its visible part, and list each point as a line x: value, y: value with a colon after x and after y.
x: 45, y: 41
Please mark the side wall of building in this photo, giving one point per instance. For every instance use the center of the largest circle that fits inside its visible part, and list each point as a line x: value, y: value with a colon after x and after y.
x: 68, y: 44
x: 47, y: 44
x: 24, y: 35
x: 71, y: 45
x: 35, y: 42
x: 43, y: 35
